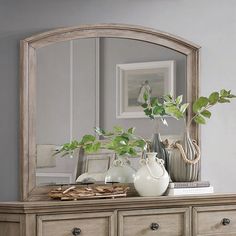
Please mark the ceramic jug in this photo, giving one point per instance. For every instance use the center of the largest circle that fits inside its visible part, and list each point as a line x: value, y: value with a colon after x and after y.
x: 152, y: 178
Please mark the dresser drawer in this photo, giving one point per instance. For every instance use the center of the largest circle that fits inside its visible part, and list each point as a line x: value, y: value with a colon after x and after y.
x: 85, y: 224
x: 161, y: 222
x: 215, y: 220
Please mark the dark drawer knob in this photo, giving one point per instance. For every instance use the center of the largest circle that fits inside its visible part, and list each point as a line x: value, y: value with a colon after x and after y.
x: 76, y: 231
x: 154, y: 226
x: 225, y: 221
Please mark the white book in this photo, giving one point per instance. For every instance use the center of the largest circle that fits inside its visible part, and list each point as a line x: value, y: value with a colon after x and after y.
x: 189, y: 191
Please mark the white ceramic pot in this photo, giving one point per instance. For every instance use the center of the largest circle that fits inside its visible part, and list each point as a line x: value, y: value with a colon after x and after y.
x: 152, y: 178
x: 120, y: 172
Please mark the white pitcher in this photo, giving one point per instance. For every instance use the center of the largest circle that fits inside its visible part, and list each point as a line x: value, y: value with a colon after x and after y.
x: 152, y: 178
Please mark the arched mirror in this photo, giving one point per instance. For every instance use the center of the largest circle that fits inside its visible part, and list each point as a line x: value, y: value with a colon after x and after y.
x: 74, y: 79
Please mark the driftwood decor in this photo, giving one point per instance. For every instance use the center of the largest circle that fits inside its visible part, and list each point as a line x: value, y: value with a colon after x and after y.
x: 28, y: 68
x: 88, y: 192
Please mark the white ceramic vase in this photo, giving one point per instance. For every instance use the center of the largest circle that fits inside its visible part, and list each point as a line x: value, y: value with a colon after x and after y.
x: 152, y: 178
x: 120, y: 171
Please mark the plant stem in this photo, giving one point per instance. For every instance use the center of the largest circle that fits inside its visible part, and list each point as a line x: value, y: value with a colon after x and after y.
x: 198, y: 113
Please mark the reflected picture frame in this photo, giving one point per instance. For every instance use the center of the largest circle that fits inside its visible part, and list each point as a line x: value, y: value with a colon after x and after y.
x: 133, y: 79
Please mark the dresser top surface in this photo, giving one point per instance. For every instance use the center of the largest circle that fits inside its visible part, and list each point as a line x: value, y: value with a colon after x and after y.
x: 118, y: 203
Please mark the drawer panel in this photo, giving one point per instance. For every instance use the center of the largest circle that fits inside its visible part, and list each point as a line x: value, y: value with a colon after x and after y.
x: 161, y: 222
x: 10, y: 225
x: 213, y: 221
x: 89, y: 224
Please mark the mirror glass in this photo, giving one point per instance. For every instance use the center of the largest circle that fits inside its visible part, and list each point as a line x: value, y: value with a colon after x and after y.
x: 98, y: 82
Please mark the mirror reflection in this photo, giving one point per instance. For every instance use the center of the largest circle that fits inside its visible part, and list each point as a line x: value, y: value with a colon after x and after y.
x: 98, y: 82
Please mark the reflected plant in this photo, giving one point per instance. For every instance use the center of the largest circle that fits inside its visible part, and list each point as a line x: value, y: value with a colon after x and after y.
x: 164, y: 106
x: 121, y: 141
x: 88, y: 142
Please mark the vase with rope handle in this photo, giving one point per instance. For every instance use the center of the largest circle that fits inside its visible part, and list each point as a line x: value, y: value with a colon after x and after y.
x: 151, y: 179
x: 184, y: 160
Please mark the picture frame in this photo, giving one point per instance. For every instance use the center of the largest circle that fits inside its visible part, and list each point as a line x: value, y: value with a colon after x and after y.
x: 43, y: 178
x: 132, y: 79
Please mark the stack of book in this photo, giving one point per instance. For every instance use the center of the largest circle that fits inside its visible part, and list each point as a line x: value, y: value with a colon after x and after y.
x: 189, y: 188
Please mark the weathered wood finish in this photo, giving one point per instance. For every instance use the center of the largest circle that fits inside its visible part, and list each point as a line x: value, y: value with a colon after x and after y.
x: 11, y: 225
x: 185, y: 216
x: 175, y: 221
x: 208, y: 220
x: 27, y: 84
x: 99, y: 224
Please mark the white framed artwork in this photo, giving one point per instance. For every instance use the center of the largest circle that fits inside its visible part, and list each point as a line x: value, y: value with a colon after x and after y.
x: 133, y: 79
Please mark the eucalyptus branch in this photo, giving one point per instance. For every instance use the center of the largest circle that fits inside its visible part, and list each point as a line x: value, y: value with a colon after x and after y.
x: 168, y: 106
x: 121, y: 141
x: 202, y: 105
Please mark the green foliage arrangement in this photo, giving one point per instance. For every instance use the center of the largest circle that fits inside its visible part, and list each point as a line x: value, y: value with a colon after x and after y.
x: 202, y: 105
x: 154, y: 107
x: 88, y: 142
x: 121, y: 141
x: 175, y: 108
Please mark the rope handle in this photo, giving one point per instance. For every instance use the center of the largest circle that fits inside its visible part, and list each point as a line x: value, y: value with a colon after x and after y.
x: 160, y: 162
x: 183, y: 154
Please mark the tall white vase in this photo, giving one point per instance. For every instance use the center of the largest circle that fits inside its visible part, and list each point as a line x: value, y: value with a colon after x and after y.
x: 152, y: 178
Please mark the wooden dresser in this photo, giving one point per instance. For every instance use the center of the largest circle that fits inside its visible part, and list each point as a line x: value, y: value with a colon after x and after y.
x: 209, y: 215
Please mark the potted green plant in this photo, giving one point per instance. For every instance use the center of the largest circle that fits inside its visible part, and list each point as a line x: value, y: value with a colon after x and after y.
x: 185, y: 154
x: 157, y: 110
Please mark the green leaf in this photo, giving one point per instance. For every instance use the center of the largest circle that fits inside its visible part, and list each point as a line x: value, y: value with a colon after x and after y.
x: 206, y: 113
x: 145, y: 96
x: 184, y: 107
x: 139, y: 143
x: 179, y: 99
x: 144, y: 105
x: 131, y: 130
x: 132, y: 152
x: 169, y: 104
x: 154, y: 101
x: 224, y: 92
x: 199, y: 104
x: 158, y: 110
x: 87, y: 138
x: 223, y: 100
x: 231, y: 96
x: 199, y: 119
x: 213, y: 98
x: 148, y: 111
x: 174, y: 111
x: 118, y: 129
x: 168, y: 98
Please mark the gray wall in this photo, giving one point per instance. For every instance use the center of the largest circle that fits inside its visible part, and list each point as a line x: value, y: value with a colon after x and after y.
x: 209, y: 23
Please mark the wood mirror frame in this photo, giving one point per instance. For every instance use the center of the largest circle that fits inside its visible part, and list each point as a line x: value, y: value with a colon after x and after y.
x: 28, y: 46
